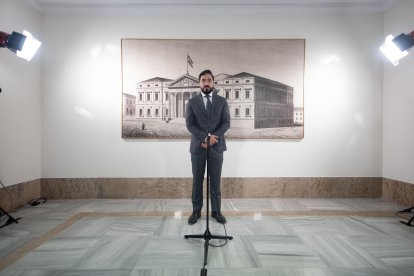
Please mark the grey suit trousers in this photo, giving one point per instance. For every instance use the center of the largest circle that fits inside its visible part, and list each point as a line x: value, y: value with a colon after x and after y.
x: 215, y: 163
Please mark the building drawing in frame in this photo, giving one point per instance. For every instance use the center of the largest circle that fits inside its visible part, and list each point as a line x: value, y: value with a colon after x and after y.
x: 262, y: 81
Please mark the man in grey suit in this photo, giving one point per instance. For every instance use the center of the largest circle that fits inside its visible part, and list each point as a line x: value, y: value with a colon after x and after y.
x: 207, y: 119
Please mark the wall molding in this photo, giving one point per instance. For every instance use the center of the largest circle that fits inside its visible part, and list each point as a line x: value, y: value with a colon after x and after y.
x: 232, y: 187
x: 116, y: 6
x: 398, y: 191
x: 19, y: 194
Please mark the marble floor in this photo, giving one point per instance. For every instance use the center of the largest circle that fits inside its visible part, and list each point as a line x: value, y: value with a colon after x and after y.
x: 146, y: 238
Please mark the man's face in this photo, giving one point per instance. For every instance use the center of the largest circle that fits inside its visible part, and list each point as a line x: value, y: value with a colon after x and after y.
x: 206, y: 83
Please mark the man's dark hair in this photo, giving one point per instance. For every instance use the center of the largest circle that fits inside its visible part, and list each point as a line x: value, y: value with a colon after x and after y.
x: 205, y: 72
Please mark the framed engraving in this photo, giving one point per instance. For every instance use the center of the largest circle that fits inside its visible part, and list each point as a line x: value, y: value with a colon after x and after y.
x: 262, y: 80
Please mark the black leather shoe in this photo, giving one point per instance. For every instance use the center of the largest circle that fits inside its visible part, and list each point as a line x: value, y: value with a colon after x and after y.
x: 219, y: 217
x: 194, y: 216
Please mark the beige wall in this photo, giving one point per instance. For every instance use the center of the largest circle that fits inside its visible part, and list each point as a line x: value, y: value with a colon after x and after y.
x: 82, y: 94
x: 20, y: 101
x: 398, y: 135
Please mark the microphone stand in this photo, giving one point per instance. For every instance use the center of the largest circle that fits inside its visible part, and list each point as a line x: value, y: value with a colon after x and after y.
x: 10, y: 220
x: 207, y: 236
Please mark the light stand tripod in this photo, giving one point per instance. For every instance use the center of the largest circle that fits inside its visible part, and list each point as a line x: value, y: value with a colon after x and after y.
x: 408, y: 211
x: 10, y: 219
x: 207, y: 236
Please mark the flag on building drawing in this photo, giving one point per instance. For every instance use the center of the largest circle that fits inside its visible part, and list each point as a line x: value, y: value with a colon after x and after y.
x: 189, y: 61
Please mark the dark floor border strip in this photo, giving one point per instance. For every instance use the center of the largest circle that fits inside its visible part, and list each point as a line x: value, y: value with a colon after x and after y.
x: 36, y: 242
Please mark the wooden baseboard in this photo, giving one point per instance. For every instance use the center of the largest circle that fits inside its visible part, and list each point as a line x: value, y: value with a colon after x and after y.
x: 398, y: 191
x: 232, y: 187
x: 15, y: 195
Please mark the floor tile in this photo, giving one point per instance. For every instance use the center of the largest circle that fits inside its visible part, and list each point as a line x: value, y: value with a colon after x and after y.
x: 128, y: 241
x: 284, y: 251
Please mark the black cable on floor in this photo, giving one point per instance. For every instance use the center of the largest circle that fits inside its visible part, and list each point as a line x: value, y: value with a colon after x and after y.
x: 37, y: 201
x: 221, y: 245
x: 33, y: 202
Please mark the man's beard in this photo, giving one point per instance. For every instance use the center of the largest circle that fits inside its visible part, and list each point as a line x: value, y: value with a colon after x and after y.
x: 207, y: 90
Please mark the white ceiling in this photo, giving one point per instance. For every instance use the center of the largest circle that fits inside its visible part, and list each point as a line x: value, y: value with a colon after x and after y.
x: 119, y: 5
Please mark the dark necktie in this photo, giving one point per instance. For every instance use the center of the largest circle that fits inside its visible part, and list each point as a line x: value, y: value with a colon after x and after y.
x: 208, y: 106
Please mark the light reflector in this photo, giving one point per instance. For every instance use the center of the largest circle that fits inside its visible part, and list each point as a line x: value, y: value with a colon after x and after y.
x: 30, y: 46
x: 392, y: 51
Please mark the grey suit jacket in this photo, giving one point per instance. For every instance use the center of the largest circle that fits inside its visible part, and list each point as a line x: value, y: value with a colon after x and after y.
x: 199, y: 123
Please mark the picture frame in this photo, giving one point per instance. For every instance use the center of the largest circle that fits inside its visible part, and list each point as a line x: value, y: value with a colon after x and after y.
x: 262, y: 80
